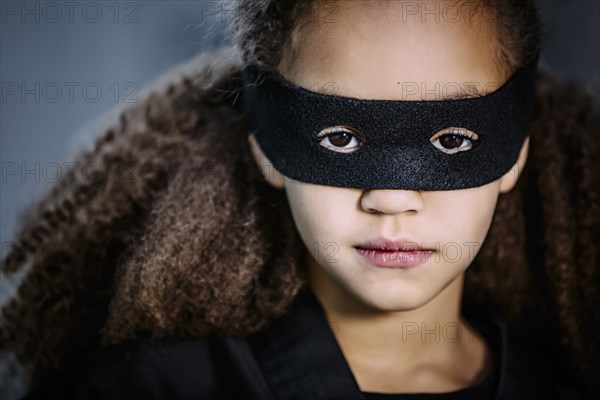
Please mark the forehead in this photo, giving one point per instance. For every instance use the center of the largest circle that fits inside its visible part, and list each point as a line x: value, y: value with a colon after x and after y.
x: 377, y: 50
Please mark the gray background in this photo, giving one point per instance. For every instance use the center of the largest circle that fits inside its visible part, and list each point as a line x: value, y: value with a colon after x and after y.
x: 121, y: 47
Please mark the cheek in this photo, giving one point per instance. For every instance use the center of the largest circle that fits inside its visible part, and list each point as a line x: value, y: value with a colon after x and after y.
x: 465, y: 215
x: 321, y: 213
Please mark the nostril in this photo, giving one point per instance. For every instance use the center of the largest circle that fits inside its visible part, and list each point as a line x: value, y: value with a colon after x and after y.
x: 391, y: 201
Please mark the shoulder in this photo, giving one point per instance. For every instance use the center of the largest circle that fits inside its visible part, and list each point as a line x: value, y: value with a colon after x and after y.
x: 538, y: 377
x: 165, y: 368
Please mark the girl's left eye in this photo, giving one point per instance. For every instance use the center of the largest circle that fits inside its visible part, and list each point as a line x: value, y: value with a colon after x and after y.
x: 454, y: 140
x: 341, y: 139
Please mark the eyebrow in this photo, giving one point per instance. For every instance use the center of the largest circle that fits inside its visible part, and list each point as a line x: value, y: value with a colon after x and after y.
x: 469, y: 92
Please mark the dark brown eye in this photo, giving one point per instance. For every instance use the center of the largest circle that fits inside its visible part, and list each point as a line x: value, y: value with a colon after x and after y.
x: 341, y: 138
x: 453, y: 140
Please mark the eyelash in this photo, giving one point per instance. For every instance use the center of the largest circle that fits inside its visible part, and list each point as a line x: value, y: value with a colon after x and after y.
x: 334, y: 131
x: 472, y: 137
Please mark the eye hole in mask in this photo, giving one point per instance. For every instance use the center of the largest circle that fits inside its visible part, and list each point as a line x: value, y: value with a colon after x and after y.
x: 338, y: 138
x: 453, y: 140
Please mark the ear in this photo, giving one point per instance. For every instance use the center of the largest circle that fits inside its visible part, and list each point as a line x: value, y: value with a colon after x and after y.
x: 274, y: 177
x: 509, y: 180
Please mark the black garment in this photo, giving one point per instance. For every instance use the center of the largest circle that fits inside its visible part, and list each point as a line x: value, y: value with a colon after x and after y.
x: 296, y: 358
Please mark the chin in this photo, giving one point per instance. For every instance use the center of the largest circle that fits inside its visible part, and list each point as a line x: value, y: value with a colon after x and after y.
x: 394, y: 300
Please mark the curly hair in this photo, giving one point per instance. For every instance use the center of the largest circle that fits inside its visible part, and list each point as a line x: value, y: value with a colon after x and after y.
x: 180, y: 234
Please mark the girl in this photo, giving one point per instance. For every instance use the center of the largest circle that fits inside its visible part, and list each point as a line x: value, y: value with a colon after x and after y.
x: 219, y: 258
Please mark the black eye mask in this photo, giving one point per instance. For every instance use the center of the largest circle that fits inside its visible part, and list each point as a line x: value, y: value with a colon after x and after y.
x: 393, y: 146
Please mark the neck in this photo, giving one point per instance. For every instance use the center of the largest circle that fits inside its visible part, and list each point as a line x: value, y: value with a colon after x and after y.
x: 432, y: 336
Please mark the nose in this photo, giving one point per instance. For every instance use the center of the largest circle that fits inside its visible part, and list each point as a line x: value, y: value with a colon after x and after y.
x: 392, y: 201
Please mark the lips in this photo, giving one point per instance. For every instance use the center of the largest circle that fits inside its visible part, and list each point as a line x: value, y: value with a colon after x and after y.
x: 388, y: 253
x: 385, y: 244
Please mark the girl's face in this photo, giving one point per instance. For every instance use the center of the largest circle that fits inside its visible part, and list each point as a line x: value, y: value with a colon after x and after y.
x: 379, y: 51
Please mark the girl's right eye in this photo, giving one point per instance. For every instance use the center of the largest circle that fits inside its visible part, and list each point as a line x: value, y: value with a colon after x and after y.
x: 341, y: 139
